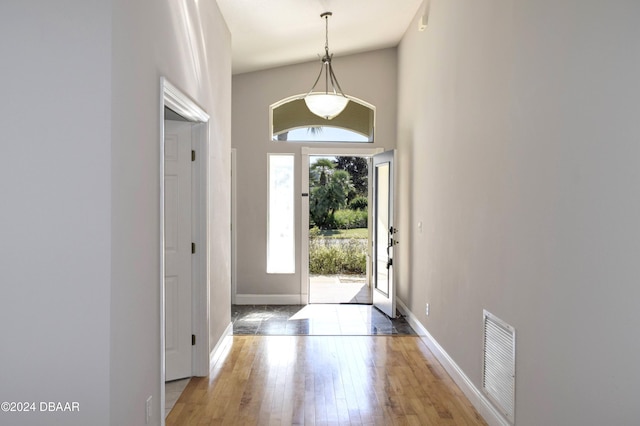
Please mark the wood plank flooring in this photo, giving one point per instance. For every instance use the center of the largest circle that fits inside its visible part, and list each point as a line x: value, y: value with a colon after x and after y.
x: 324, y: 380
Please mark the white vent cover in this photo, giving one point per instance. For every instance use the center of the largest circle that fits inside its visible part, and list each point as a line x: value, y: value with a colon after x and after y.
x: 499, y: 364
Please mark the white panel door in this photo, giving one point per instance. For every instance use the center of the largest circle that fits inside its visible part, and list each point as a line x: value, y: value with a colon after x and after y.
x: 177, y: 249
x: 384, y: 296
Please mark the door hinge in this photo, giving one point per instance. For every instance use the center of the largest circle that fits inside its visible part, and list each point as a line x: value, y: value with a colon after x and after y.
x: 193, y: 155
x: 193, y: 248
x: 193, y: 340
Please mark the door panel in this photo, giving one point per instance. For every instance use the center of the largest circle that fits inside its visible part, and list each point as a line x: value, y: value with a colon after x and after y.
x: 177, y: 214
x: 383, y: 233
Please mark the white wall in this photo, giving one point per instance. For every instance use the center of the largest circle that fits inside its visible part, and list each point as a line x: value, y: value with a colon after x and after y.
x: 369, y: 76
x: 518, y: 139
x: 55, y: 229
x: 187, y: 42
x: 79, y: 223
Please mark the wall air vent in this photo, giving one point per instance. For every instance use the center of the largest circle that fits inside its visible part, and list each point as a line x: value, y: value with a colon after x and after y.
x: 499, y: 364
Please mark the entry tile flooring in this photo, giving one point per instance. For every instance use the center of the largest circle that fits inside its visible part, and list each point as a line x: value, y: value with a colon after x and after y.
x: 315, y: 320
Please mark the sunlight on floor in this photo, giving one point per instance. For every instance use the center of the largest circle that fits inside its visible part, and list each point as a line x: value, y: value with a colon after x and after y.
x: 316, y: 319
x: 338, y: 289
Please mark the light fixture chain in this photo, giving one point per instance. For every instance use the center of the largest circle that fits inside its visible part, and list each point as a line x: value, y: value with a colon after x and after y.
x: 326, y: 35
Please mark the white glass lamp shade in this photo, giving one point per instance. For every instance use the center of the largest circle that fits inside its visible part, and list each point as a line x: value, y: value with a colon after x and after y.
x: 326, y: 105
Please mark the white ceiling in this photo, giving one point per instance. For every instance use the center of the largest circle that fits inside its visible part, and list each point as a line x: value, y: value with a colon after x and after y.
x: 271, y: 33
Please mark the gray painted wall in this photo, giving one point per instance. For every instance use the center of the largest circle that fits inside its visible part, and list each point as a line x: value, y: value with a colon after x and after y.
x: 370, y: 76
x: 79, y: 251
x: 518, y: 143
x: 55, y: 226
x: 188, y: 42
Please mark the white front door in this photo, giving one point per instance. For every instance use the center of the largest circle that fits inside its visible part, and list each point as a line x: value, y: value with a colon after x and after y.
x: 177, y: 249
x: 384, y: 239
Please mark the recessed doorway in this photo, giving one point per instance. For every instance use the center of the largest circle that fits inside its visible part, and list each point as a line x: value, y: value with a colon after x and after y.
x: 184, y: 243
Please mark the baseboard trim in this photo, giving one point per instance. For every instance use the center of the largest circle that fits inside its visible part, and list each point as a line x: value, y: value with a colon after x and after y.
x: 268, y: 299
x: 477, y: 399
x: 222, y: 345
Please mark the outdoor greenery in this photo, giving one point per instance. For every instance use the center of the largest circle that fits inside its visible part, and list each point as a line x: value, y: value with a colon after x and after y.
x: 343, y: 234
x: 338, y: 215
x: 337, y: 190
x: 349, y: 219
x: 330, y: 257
x: 358, y: 170
x: 329, y: 191
x: 359, y: 203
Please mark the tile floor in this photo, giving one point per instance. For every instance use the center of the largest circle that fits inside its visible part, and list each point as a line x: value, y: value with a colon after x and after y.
x: 315, y: 319
x: 172, y: 391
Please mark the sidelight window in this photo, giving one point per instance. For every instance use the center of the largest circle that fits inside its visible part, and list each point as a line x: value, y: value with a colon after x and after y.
x: 280, y: 226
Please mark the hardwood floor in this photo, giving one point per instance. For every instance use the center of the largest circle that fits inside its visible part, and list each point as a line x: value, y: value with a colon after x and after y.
x: 324, y: 380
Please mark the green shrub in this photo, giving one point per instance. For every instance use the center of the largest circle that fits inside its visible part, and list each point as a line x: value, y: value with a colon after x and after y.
x: 349, y: 219
x: 331, y: 257
x: 359, y: 203
x: 314, y: 232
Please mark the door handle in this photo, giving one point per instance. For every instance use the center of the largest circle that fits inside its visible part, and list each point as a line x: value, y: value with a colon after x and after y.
x: 389, y: 263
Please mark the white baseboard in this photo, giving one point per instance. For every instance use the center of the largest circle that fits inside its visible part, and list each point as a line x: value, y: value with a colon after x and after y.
x: 477, y: 399
x: 268, y: 299
x: 222, y: 345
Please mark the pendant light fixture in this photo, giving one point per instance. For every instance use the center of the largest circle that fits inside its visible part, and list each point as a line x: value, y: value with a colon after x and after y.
x: 331, y: 102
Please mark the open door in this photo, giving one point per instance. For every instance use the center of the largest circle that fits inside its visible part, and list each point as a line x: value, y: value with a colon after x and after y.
x: 384, y: 297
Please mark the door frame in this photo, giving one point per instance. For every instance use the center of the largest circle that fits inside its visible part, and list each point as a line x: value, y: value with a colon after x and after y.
x: 174, y: 99
x: 386, y: 303
x: 234, y: 232
x: 304, y: 206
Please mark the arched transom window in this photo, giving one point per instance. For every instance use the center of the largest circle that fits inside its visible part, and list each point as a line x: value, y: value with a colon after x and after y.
x: 292, y: 121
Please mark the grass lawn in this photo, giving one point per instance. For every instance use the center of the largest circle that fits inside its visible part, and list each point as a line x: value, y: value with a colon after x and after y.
x: 359, y: 233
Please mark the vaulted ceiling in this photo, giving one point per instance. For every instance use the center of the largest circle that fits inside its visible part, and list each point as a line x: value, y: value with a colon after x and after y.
x: 272, y: 33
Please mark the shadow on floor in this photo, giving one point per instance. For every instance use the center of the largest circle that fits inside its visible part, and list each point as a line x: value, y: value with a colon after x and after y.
x: 316, y: 320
